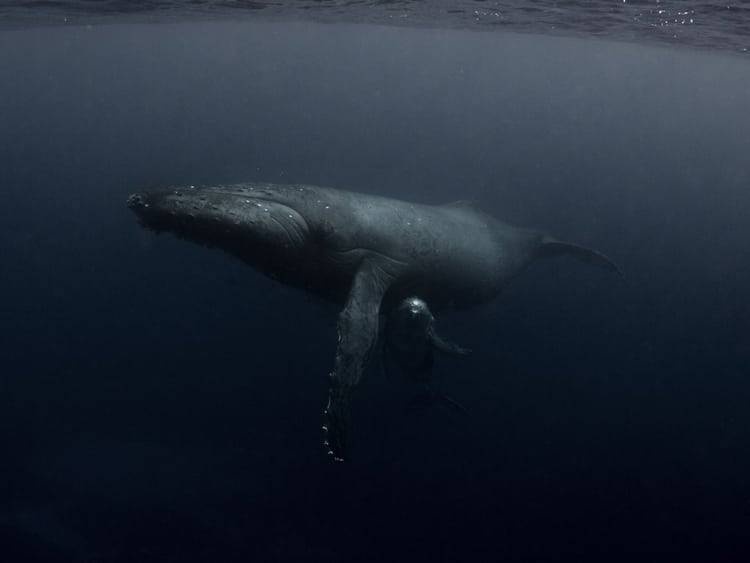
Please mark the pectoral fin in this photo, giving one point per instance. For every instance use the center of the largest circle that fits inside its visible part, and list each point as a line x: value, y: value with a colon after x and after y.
x: 358, y: 333
x: 446, y: 346
x: 553, y: 247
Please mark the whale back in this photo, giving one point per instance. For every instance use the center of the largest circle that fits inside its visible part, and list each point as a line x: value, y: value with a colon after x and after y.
x: 505, y: 250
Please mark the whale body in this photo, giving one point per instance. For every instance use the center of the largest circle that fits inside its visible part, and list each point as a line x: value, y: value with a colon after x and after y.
x: 365, y: 252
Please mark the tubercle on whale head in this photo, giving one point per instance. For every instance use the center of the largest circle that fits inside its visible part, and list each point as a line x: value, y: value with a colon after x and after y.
x: 142, y: 205
x: 137, y: 201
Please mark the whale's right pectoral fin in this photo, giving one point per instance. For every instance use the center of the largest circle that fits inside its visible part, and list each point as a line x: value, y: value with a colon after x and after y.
x: 358, y: 334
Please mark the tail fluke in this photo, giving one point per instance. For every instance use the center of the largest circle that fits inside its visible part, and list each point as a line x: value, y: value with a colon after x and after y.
x: 553, y: 247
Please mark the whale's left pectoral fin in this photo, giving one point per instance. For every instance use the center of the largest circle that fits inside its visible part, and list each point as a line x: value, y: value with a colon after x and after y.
x: 446, y: 346
x: 552, y: 247
x: 358, y: 334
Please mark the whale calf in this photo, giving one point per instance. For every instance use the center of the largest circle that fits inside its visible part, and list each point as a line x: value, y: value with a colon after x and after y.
x: 409, y: 342
x: 365, y: 252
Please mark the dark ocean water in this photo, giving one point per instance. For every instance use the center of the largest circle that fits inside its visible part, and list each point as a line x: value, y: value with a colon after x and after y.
x: 161, y: 401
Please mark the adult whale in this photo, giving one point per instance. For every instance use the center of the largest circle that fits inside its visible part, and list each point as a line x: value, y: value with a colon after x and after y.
x: 366, y: 252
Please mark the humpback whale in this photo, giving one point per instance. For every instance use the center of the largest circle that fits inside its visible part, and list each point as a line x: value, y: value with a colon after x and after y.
x: 366, y: 253
x: 410, y: 340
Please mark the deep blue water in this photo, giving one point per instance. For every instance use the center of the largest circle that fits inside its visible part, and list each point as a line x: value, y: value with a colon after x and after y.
x: 161, y: 402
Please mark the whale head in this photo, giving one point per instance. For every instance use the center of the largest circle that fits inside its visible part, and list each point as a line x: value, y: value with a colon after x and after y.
x: 263, y: 227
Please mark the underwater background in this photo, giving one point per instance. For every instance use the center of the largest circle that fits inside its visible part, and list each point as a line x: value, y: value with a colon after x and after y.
x: 160, y: 401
